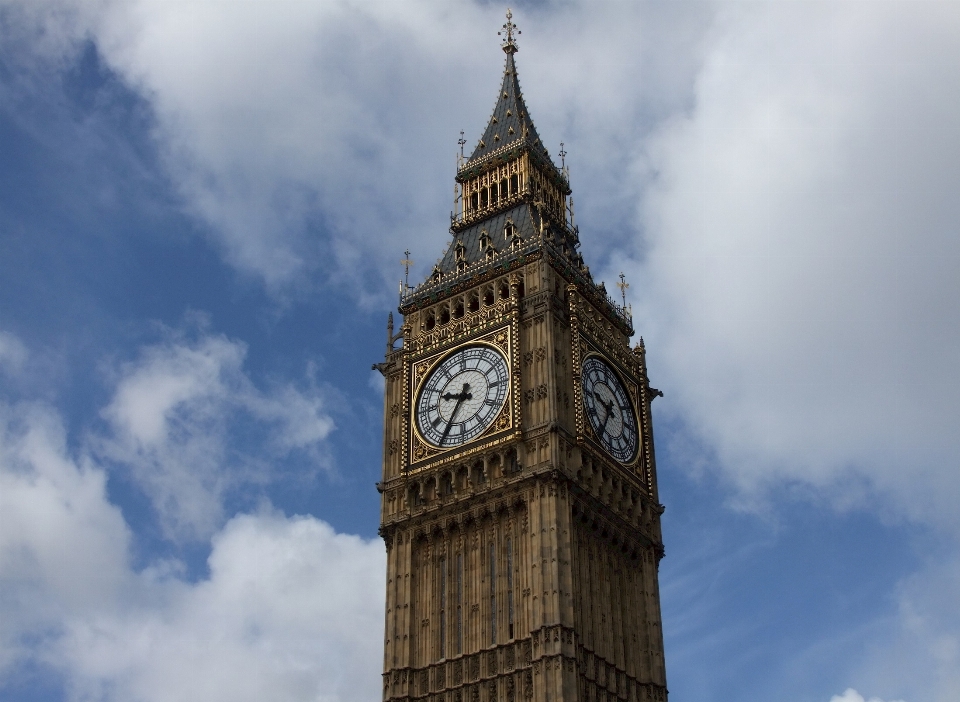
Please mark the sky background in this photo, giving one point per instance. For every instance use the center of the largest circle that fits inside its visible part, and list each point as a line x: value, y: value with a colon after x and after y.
x: 202, y: 210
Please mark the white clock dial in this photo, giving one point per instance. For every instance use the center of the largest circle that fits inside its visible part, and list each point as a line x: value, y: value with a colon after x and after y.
x: 462, y: 396
x: 609, y: 410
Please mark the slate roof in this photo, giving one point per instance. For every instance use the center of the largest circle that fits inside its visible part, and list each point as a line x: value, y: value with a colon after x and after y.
x: 497, y: 136
x: 526, y: 220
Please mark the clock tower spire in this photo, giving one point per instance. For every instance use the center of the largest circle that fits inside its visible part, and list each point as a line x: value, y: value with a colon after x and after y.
x: 519, y: 496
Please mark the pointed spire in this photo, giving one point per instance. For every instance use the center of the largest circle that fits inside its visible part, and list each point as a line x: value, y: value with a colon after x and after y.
x: 510, y: 122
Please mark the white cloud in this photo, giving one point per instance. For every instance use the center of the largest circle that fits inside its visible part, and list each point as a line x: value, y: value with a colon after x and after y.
x: 63, y: 547
x: 172, y: 426
x: 800, y: 290
x: 851, y: 695
x: 321, y: 136
x: 291, y: 610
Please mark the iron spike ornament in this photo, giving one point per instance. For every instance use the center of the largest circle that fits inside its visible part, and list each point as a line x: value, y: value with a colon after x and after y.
x: 509, y: 43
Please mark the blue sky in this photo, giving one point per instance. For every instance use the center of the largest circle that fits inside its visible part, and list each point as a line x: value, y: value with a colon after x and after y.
x: 202, y: 210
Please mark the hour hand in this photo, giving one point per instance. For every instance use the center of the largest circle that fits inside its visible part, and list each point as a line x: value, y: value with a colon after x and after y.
x: 464, y: 395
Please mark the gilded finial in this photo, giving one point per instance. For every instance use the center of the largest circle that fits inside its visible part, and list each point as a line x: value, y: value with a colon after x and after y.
x: 509, y: 43
x: 406, y: 263
x: 623, y: 285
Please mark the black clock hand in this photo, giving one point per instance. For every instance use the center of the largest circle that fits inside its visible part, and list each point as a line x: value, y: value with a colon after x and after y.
x: 460, y: 396
x: 463, y: 395
x: 607, y: 411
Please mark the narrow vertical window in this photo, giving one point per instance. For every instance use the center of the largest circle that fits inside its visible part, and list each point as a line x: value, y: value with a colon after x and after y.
x: 459, y: 603
x: 443, y: 607
x: 493, y: 594
x: 510, y: 586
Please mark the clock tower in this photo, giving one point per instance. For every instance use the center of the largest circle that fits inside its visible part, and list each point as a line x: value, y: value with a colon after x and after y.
x: 519, y: 491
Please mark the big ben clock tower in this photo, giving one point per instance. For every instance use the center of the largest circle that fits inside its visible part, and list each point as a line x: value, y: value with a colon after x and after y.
x: 519, y: 492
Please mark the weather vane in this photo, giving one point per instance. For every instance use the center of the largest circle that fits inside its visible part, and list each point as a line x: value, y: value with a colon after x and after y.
x: 509, y: 43
x: 623, y: 285
x: 563, y: 156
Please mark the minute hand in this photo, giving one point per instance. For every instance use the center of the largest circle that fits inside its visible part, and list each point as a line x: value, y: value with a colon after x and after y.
x: 607, y: 411
x: 463, y: 395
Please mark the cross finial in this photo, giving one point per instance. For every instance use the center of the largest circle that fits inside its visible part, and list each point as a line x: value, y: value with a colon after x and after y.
x: 461, y: 141
x: 509, y: 43
x: 623, y: 285
x: 563, y: 156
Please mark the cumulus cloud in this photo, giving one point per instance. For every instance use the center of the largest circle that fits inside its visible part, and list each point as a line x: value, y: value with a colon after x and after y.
x: 800, y: 289
x: 321, y: 136
x: 63, y: 547
x: 173, y: 427
x: 291, y: 610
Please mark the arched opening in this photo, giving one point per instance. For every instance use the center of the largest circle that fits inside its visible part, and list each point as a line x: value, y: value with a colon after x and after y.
x: 493, y: 467
x: 504, y: 290
x: 444, y: 315
x: 474, y: 303
x: 414, y: 497
x: 431, y: 321
x: 458, y: 310
x: 477, y: 476
x: 512, y: 464
x: 488, y: 296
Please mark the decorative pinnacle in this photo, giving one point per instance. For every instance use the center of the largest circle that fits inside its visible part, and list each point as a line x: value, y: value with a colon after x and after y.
x: 623, y: 285
x: 461, y: 141
x: 406, y: 263
x: 509, y: 43
x: 563, y: 156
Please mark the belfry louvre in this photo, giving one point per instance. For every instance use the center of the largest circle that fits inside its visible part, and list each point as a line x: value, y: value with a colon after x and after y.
x: 519, y: 493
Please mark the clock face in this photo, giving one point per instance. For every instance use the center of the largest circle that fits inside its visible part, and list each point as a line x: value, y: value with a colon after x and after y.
x: 609, y: 410
x: 462, y: 396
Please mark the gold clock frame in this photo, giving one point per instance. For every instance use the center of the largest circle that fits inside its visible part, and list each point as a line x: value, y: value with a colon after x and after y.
x: 585, y: 429
x: 421, y: 453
